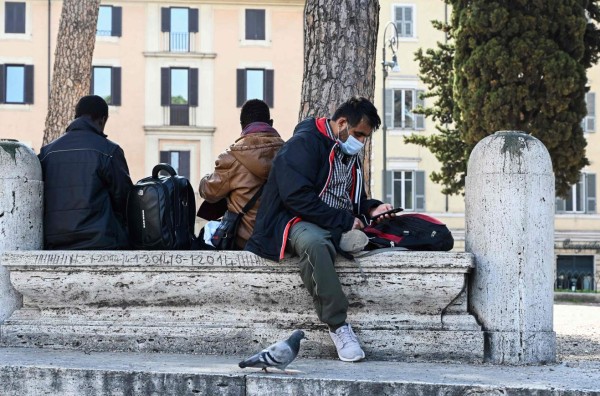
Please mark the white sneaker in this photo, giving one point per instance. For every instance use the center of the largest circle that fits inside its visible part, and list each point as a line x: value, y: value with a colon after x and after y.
x: 353, y: 241
x: 347, y: 345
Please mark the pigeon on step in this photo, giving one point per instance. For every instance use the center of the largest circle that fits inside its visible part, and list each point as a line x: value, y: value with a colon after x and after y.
x: 278, y: 355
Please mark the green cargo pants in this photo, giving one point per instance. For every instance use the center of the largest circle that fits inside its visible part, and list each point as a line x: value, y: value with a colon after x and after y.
x: 317, y: 258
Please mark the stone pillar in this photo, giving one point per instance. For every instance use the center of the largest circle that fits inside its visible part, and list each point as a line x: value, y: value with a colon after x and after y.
x: 21, y: 211
x: 509, y: 215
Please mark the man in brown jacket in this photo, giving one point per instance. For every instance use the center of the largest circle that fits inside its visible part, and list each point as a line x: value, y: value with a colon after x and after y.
x: 244, y: 167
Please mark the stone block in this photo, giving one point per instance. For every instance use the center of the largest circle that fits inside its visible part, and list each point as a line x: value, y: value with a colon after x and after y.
x: 509, y: 225
x: 21, y: 210
x: 404, y: 305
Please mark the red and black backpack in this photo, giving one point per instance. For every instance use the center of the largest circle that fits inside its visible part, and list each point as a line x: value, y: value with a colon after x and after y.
x: 413, y: 231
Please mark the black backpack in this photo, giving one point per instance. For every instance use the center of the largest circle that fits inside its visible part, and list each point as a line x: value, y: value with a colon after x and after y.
x: 161, y: 211
x: 413, y: 231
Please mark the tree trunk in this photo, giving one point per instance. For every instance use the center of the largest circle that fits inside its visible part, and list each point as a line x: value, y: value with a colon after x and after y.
x: 72, y: 63
x: 340, y: 41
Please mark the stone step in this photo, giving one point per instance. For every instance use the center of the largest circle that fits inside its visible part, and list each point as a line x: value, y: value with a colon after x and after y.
x: 38, y: 372
x: 403, y: 305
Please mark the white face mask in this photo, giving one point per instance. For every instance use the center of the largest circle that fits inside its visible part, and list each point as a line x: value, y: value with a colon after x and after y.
x: 351, y: 146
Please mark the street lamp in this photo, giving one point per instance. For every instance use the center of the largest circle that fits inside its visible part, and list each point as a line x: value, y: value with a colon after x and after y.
x: 392, y: 42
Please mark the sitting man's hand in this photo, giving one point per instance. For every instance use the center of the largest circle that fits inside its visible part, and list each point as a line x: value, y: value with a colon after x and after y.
x: 358, y: 224
x: 380, y: 209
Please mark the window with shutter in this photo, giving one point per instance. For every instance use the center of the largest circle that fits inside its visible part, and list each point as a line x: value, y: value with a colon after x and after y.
x: 14, y: 17
x: 179, y: 96
x: 109, y: 21
x: 590, y: 192
x: 255, y: 24
x: 400, y: 105
x: 106, y: 83
x: 589, y: 121
x: 407, y: 189
x: 404, y: 19
x: 255, y: 84
x: 180, y: 24
x: 17, y: 84
x: 179, y: 160
x: 179, y: 38
x: 581, y: 198
x: 179, y: 92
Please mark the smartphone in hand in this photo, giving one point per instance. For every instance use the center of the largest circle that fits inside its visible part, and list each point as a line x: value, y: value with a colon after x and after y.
x: 392, y: 211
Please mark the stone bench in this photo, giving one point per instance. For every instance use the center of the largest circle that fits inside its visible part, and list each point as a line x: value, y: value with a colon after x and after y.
x: 403, y: 305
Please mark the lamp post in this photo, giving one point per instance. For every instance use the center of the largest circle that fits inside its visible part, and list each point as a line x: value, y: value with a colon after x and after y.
x: 392, y: 42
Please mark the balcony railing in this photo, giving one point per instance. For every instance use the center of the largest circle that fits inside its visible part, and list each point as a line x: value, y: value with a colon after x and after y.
x: 178, y: 42
x: 179, y: 115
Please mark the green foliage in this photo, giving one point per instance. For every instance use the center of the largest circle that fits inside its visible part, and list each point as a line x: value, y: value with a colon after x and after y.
x: 511, y: 65
x: 178, y: 100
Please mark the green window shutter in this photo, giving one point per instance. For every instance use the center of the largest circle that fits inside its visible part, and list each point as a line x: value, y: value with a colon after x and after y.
x: 590, y: 188
x: 420, y: 118
x: 408, y: 22
x: 590, y: 119
x: 389, y: 108
x: 389, y: 177
x: 560, y: 205
x: 419, y: 190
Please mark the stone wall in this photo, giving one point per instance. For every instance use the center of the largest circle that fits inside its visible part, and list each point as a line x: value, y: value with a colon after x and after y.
x: 404, y: 305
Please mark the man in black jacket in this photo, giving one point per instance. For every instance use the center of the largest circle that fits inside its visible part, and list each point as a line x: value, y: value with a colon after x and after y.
x: 86, y: 181
x: 316, y: 198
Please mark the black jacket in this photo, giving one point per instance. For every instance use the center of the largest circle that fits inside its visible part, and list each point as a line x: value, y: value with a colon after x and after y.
x: 86, y: 181
x: 298, y: 177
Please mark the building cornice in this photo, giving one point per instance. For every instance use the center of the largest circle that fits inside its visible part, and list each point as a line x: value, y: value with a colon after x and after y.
x: 253, y: 3
x: 180, y: 55
x: 178, y: 131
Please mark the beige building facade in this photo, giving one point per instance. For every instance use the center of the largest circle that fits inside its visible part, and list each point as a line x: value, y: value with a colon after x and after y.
x: 176, y: 73
x: 577, y: 222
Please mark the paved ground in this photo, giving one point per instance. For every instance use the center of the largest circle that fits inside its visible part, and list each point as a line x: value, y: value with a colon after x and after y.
x: 35, y: 372
x: 577, y: 328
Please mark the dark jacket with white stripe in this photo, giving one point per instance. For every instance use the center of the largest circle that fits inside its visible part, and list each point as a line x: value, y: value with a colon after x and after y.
x: 299, y: 175
x: 86, y: 181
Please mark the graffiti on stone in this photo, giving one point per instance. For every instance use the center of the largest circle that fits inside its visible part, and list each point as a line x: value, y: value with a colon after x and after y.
x: 141, y: 259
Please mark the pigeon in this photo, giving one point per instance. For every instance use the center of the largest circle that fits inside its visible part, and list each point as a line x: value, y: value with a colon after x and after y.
x: 278, y: 355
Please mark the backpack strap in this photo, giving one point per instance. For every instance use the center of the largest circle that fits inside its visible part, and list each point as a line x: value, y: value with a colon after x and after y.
x: 252, y: 201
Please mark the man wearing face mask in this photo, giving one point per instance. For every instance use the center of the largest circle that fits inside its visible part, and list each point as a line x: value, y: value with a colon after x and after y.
x: 316, y: 202
x: 86, y: 181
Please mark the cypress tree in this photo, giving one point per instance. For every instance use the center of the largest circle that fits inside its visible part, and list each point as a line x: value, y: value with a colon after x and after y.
x: 516, y: 65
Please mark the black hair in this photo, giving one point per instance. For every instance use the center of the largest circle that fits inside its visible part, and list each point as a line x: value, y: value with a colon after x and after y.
x: 255, y: 110
x: 356, y: 109
x: 93, y: 106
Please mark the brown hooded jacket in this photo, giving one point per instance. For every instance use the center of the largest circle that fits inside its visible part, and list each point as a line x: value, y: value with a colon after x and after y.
x: 239, y: 173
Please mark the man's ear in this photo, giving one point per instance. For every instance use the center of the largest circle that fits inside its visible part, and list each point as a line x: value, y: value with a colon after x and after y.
x: 102, y: 122
x: 270, y: 122
x: 342, y: 123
